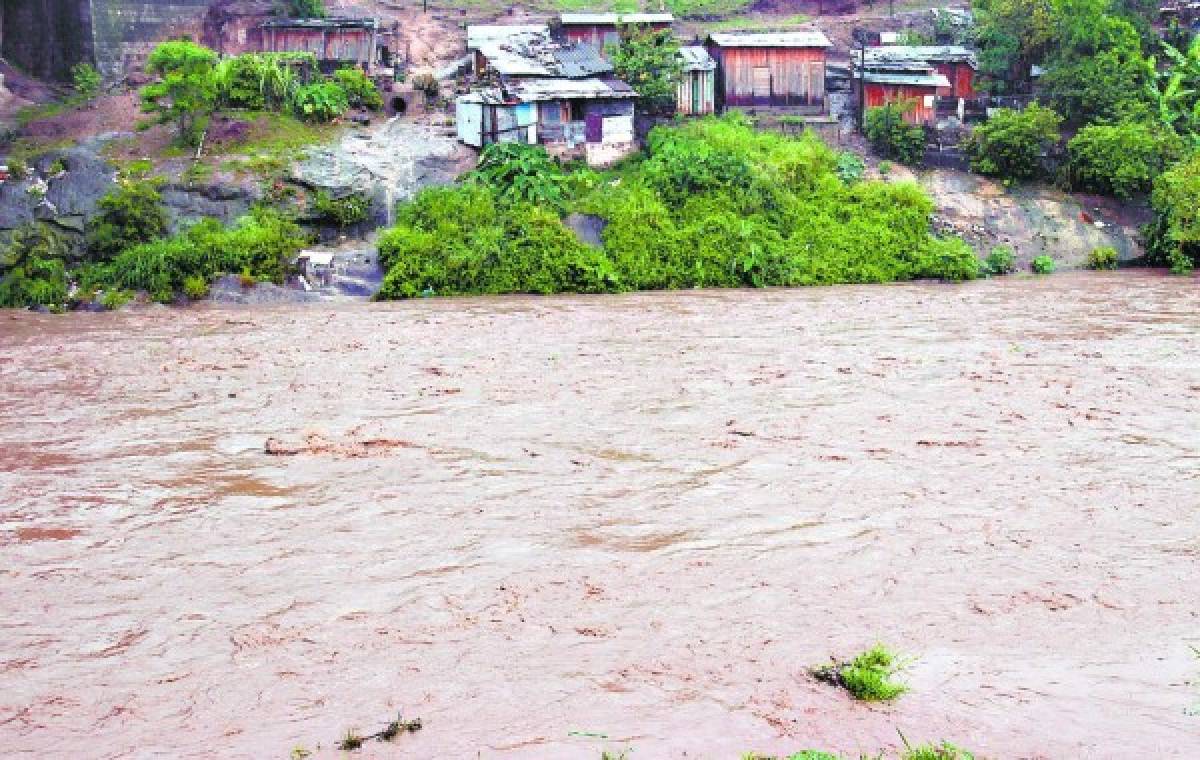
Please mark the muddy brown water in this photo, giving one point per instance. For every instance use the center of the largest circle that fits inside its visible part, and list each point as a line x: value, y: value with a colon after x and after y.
x: 552, y: 526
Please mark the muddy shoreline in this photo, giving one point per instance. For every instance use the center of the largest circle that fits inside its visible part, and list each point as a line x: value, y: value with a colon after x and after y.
x: 642, y: 517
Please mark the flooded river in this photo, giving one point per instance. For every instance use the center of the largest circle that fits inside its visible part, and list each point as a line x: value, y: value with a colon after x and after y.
x: 553, y: 526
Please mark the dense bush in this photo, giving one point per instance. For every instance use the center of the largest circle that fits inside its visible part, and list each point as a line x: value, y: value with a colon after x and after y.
x: 184, y: 91
x: 648, y: 60
x: 850, y: 167
x: 32, y: 272
x: 1173, y: 238
x: 352, y: 209
x: 260, y: 244
x: 1119, y: 159
x: 713, y: 204
x: 892, y: 137
x: 1000, y: 261
x: 1104, y: 257
x: 1042, y: 265
x: 130, y: 214
x: 86, y: 80
x: 520, y: 173
x: 360, y: 91
x: 320, y: 101
x: 1011, y: 143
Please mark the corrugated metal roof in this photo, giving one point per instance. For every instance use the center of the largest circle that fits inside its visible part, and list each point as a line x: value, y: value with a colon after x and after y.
x: 537, y: 90
x: 696, y: 58
x: 478, y: 34
x: 533, y: 53
x: 928, y: 79
x: 798, y: 38
x: 929, y: 53
x: 617, y: 18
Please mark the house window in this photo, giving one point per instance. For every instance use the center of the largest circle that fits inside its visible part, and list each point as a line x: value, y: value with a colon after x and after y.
x: 762, y: 82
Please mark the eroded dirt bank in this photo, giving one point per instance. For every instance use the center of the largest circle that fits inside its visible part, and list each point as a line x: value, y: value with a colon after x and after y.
x: 641, y: 516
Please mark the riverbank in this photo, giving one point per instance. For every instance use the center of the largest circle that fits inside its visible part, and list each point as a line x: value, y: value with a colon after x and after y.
x: 605, y: 523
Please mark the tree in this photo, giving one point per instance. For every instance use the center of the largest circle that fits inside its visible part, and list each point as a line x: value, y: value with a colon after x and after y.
x: 303, y: 8
x: 1174, y: 236
x: 648, y: 61
x: 1012, y: 35
x: 360, y: 90
x: 31, y: 268
x: 185, y: 92
x: 132, y: 213
x: 891, y: 136
x: 1011, y: 143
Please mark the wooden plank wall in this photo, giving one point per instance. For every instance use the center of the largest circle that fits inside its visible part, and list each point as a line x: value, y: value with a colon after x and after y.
x: 881, y: 94
x: 796, y: 76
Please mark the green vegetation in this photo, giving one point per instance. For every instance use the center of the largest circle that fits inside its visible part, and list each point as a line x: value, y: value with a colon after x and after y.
x: 1000, y: 261
x: 185, y: 92
x: 304, y: 8
x: 86, y: 80
x: 942, y: 751
x: 128, y: 215
x: 1119, y: 159
x: 352, y: 209
x: 749, y: 23
x: 1042, y: 265
x: 360, y: 91
x: 713, y: 203
x: 891, y: 136
x: 320, y: 101
x: 648, y: 61
x: 1104, y: 257
x: 32, y: 269
x: 867, y: 677
x: 1174, y: 236
x: 804, y: 754
x: 1011, y: 143
x: 707, y: 9
x: 850, y: 167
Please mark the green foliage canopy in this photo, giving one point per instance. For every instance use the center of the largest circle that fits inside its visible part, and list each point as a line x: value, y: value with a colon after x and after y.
x: 185, y: 91
x: 1010, y: 144
x: 130, y: 214
x: 648, y: 60
x: 891, y: 136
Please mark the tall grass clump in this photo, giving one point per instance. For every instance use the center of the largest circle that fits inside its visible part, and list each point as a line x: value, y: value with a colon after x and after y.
x: 711, y: 203
x: 868, y: 677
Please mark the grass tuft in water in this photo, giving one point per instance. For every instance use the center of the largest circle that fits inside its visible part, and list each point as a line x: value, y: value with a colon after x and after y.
x: 867, y: 677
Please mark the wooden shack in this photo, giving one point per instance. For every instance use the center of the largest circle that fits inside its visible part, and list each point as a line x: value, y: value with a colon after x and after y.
x: 913, y: 85
x: 336, y: 42
x: 958, y: 64
x: 777, y: 70
x: 697, y: 85
x: 600, y: 30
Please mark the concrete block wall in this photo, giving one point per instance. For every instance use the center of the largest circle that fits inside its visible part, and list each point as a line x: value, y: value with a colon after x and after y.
x: 125, y: 31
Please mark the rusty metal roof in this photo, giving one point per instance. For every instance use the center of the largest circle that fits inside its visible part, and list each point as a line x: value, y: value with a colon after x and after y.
x: 922, y: 79
x: 794, y: 39
x: 921, y: 53
x: 529, y: 51
x: 537, y: 90
x: 320, y: 23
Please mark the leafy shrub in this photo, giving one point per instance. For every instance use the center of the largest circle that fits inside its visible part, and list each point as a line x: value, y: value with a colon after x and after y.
x: 57, y: 166
x: 32, y: 272
x: 850, y: 167
x: 1119, y: 159
x: 1011, y: 143
x: 343, y: 212
x: 361, y: 92
x: 130, y: 214
x: 184, y: 91
x: 713, y: 204
x: 867, y: 677
x: 520, y: 173
x: 1042, y: 265
x: 18, y: 169
x: 1104, y: 257
x: 304, y: 8
x: 320, y: 101
x: 1000, y: 261
x: 892, y: 137
x: 86, y: 80
x: 648, y: 60
x: 885, y: 168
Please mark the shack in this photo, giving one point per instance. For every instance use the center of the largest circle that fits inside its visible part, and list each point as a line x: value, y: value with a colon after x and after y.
x: 958, y: 64
x: 697, y: 87
x: 600, y: 30
x: 486, y: 40
x: 778, y: 70
x: 911, y: 83
x: 536, y: 90
x: 336, y: 42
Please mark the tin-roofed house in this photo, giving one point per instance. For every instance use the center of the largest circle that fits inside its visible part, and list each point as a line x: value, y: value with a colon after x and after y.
x: 697, y: 84
x: 336, y: 42
x: 958, y: 64
x: 560, y: 95
x: 600, y: 30
x: 777, y: 70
